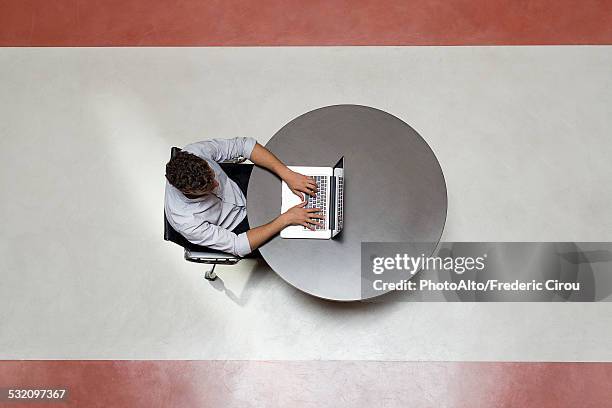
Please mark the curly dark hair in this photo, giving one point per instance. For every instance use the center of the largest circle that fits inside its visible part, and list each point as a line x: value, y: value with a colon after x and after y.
x: 187, y: 171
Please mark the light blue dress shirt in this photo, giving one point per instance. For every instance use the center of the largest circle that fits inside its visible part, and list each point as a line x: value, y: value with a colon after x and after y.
x: 208, y: 220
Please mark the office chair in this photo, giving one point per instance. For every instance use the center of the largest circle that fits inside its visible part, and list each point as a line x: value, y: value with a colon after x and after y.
x: 197, y: 253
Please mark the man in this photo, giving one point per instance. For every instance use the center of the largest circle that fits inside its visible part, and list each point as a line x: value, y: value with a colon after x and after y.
x: 209, y: 209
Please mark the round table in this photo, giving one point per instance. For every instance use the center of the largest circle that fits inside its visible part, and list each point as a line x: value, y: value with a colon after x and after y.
x: 394, y: 192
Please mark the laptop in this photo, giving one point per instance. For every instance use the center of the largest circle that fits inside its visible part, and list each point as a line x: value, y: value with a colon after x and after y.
x: 329, y: 198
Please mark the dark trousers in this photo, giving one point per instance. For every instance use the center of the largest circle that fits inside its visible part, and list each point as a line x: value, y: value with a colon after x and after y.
x: 240, y: 174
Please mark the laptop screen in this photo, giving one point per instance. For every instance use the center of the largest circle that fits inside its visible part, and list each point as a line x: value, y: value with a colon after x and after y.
x: 339, y: 168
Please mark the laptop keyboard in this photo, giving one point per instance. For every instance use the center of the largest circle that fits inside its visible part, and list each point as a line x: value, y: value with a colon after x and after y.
x: 319, y: 201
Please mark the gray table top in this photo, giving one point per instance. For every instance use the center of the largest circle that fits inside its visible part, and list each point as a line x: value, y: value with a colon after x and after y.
x: 394, y: 192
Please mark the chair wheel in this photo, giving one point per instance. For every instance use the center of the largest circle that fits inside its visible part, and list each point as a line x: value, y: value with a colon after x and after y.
x: 211, y: 275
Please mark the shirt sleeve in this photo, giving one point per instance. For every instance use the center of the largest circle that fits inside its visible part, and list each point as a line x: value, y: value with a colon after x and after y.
x: 219, y: 238
x: 223, y: 149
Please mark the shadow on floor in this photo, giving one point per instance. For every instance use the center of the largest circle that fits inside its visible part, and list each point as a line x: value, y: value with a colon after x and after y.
x: 261, y: 269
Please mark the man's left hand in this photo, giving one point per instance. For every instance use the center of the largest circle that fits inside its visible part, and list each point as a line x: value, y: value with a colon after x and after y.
x: 299, y: 183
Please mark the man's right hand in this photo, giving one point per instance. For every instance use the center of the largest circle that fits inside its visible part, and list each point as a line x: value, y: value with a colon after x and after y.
x: 298, y: 215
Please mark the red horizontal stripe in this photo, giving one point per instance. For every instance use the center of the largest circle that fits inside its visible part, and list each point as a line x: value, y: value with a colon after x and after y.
x: 314, y: 383
x: 298, y: 22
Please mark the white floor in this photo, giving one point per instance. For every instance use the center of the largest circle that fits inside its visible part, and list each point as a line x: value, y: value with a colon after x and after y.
x: 524, y: 136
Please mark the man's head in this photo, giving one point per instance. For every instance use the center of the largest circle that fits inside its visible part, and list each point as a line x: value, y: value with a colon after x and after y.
x: 190, y: 174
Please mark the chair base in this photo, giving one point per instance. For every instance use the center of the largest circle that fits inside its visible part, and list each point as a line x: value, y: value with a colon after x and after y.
x: 211, y: 275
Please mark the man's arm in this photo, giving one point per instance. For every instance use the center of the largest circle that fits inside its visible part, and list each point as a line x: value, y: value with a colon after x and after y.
x: 298, y: 183
x: 222, y: 149
x: 216, y: 237
x: 297, y: 215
